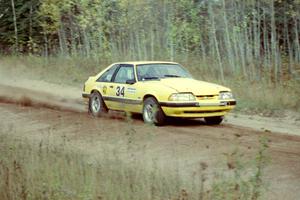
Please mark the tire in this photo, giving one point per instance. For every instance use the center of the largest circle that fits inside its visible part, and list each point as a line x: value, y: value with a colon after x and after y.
x: 152, y: 112
x: 97, y: 106
x: 214, y: 120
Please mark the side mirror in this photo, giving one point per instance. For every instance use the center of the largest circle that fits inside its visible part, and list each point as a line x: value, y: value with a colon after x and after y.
x: 130, y: 82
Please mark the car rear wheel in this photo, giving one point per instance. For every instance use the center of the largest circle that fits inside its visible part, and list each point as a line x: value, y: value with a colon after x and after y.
x: 96, y: 105
x: 214, y: 120
x: 152, y: 112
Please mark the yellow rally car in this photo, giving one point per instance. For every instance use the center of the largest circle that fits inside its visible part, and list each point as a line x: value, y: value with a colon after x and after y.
x: 156, y: 90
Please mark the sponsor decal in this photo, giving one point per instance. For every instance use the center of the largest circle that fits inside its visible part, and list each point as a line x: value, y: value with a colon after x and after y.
x: 131, y: 90
x: 104, y: 89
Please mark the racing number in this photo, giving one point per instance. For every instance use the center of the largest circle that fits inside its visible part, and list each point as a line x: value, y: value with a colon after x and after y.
x: 120, y: 91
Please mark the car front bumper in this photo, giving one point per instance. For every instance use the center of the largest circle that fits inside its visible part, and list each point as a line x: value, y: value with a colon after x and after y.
x: 197, y: 109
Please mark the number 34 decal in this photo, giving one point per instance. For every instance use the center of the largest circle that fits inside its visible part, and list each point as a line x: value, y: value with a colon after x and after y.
x: 120, y: 91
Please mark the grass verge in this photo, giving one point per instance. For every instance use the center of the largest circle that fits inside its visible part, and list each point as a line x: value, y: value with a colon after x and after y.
x: 44, y: 170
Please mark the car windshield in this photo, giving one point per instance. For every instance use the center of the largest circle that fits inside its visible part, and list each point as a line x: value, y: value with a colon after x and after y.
x: 159, y: 71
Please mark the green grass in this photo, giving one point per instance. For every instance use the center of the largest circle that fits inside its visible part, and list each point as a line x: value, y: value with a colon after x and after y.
x: 266, y: 99
x: 253, y: 96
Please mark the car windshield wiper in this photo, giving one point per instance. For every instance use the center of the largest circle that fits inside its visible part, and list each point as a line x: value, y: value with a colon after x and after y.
x: 171, y: 75
x: 150, y: 78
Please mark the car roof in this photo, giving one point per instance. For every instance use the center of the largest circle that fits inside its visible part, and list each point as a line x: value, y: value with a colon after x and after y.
x: 145, y: 62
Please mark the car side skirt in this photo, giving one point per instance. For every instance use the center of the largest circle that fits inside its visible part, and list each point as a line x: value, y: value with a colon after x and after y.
x: 116, y: 99
x: 123, y: 100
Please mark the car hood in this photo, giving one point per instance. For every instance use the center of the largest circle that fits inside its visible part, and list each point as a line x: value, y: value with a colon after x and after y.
x: 194, y: 86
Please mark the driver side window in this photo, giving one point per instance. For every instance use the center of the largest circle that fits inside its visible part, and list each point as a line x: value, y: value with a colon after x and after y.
x: 107, y: 76
x: 124, y: 74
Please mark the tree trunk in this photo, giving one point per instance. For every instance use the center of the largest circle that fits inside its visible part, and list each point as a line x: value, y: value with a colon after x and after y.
x: 45, y: 45
x: 15, y: 25
x: 230, y: 56
x: 274, y: 45
x: 216, y: 44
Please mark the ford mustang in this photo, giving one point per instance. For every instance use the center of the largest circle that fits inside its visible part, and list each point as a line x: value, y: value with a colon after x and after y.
x: 156, y: 90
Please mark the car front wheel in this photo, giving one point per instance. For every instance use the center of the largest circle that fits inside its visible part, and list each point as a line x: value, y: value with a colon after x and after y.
x: 152, y: 112
x: 214, y: 120
x: 96, y: 105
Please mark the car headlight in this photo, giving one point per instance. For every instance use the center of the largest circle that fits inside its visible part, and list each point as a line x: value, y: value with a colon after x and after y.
x: 225, y: 95
x: 182, y: 97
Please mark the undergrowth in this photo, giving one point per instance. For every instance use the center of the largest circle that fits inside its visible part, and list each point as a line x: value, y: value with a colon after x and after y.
x: 47, y: 170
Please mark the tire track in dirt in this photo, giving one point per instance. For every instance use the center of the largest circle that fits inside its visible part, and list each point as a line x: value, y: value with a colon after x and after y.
x: 39, y: 99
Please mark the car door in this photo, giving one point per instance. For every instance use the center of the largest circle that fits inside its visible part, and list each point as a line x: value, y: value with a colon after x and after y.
x: 123, y: 88
x: 103, y: 85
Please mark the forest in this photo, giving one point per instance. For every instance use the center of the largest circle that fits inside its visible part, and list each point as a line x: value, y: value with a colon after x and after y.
x: 251, y: 39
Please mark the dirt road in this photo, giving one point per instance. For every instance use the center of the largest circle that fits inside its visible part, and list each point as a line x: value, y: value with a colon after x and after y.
x: 57, y: 111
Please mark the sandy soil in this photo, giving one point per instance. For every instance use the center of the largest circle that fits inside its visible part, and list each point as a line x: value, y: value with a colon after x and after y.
x: 36, y: 109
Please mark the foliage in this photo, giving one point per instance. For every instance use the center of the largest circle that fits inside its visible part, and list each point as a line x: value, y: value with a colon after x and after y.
x: 29, y: 28
x: 255, y: 39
